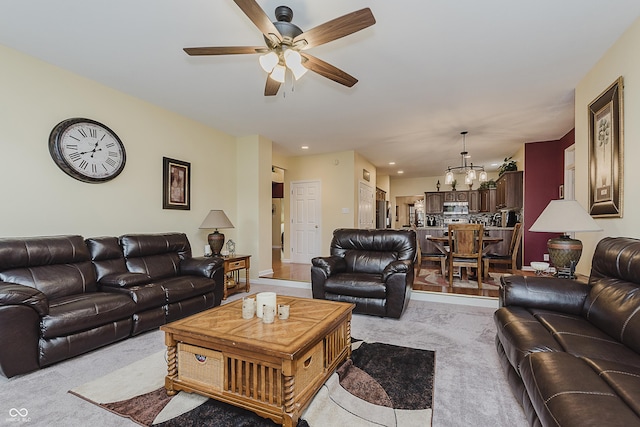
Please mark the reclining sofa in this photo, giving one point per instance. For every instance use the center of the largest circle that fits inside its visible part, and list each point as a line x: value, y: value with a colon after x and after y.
x: 372, y: 269
x: 62, y: 296
x: 571, y: 351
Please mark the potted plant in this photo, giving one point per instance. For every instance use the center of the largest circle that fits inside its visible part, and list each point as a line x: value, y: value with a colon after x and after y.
x: 507, y: 166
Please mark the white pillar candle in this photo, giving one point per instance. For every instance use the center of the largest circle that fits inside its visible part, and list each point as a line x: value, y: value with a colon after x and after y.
x: 265, y: 298
x: 207, y: 250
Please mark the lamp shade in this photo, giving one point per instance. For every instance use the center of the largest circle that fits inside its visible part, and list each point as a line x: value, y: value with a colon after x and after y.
x: 564, y: 216
x: 216, y: 219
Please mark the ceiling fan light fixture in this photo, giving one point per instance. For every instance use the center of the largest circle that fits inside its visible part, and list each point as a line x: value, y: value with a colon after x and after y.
x: 293, y: 59
x: 298, y: 71
x: 278, y: 73
x: 269, y: 61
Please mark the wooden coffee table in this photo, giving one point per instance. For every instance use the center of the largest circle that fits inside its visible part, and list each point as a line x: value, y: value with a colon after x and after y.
x: 273, y: 369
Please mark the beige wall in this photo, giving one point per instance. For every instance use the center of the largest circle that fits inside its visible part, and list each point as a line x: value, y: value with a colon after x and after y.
x: 39, y: 199
x: 253, y: 170
x: 620, y: 60
x: 335, y: 171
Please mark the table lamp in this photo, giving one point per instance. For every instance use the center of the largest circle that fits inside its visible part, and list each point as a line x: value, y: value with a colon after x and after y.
x: 216, y: 219
x: 564, y: 216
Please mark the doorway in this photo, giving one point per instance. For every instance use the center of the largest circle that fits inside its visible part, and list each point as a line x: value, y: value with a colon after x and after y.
x: 306, y: 213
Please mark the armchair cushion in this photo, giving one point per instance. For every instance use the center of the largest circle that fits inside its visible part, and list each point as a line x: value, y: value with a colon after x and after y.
x: 356, y: 285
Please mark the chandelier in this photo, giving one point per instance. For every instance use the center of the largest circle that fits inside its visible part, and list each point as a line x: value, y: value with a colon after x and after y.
x: 469, y: 170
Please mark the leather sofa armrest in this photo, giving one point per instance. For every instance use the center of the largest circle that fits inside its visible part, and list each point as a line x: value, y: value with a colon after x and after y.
x: 14, y: 294
x: 123, y: 280
x: 201, y: 266
x: 330, y: 265
x: 396, y: 267
x: 548, y: 293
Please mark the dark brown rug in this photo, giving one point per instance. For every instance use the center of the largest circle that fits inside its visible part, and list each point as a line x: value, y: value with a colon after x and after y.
x: 381, y: 384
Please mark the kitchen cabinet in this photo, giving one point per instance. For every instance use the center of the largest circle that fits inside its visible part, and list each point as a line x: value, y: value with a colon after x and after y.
x: 474, y: 201
x: 509, y: 189
x: 433, y: 202
x: 456, y: 196
x: 488, y: 200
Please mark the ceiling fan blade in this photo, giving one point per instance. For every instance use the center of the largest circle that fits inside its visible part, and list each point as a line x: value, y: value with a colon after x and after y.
x: 225, y: 50
x: 271, y: 87
x: 336, y: 28
x: 260, y: 19
x: 327, y: 70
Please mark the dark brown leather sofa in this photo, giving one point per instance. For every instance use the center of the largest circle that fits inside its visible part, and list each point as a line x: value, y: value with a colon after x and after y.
x: 372, y: 269
x: 571, y: 351
x: 62, y: 296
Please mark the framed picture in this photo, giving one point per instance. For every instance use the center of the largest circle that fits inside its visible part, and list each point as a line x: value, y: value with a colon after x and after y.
x: 606, y: 132
x: 176, y: 184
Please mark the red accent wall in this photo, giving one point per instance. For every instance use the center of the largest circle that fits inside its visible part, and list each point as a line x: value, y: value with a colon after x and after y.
x: 543, y: 175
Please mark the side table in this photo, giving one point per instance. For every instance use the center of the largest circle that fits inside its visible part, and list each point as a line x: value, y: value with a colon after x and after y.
x: 232, y: 266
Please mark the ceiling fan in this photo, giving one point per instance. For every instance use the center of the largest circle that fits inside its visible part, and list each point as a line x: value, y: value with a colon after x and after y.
x: 286, y: 43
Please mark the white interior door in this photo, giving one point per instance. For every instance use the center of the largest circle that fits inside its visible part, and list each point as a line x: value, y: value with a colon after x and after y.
x: 305, y: 221
x: 366, y: 206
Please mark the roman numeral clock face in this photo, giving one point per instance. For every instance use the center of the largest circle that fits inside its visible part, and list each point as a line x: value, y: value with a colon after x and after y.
x: 87, y: 150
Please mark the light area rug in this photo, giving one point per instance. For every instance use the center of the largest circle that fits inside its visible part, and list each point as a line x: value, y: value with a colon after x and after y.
x: 381, y: 385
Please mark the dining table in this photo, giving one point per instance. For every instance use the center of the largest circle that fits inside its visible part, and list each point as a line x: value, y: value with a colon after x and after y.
x: 442, y: 243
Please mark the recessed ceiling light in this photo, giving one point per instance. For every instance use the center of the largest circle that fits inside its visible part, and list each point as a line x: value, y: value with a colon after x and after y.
x: 400, y: 172
x: 305, y: 147
x: 392, y: 163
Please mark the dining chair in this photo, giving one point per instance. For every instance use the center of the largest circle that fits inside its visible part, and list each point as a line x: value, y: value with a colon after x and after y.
x: 506, y: 259
x: 438, y: 257
x: 422, y: 256
x: 465, y: 243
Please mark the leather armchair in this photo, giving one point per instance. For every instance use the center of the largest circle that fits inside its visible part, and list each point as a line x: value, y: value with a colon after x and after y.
x: 372, y: 269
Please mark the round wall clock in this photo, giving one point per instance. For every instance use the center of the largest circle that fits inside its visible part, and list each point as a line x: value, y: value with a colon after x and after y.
x: 87, y: 150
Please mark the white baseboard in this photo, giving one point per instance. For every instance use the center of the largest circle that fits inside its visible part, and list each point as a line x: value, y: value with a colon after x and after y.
x: 279, y: 282
x: 471, y: 300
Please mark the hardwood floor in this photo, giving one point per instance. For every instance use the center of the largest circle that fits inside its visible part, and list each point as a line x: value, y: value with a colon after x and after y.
x: 302, y: 273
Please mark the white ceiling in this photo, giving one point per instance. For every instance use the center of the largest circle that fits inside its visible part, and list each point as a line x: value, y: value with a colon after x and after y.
x: 504, y: 70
